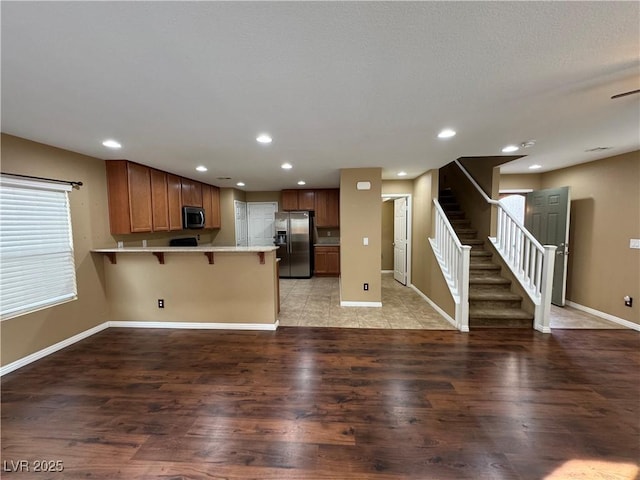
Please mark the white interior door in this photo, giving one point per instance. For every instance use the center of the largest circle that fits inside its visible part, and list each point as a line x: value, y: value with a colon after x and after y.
x: 242, y: 238
x: 400, y: 240
x: 261, y: 218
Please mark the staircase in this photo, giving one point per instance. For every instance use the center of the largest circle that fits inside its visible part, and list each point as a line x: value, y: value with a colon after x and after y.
x: 491, y: 302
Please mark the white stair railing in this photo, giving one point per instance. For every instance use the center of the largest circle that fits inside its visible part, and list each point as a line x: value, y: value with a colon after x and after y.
x: 453, y: 258
x: 530, y: 262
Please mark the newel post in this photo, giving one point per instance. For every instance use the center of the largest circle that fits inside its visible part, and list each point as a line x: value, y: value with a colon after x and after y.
x: 463, y: 279
x: 544, y: 311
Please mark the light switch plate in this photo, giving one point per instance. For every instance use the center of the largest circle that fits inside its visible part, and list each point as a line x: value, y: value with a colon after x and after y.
x: 634, y: 243
x: 365, y: 240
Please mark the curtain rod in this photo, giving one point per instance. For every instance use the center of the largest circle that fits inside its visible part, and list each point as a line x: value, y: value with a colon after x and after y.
x: 70, y: 182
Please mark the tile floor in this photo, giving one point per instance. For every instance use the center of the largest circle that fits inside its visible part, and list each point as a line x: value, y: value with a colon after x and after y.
x: 315, y: 302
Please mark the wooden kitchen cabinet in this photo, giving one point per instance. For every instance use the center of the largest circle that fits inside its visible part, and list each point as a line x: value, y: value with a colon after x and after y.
x: 211, y: 205
x: 327, y: 261
x: 191, y: 193
x: 289, y: 200
x: 143, y: 199
x: 129, y: 192
x: 174, y: 201
x: 298, y: 200
x: 306, y: 200
x: 159, y: 201
x: 327, y: 208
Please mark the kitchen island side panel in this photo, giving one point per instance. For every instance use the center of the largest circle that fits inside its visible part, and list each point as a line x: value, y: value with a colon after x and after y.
x: 236, y: 288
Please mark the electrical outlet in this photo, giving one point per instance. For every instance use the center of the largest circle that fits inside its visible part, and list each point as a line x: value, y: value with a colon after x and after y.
x: 366, y: 287
x: 161, y: 303
x: 198, y: 237
x: 628, y: 301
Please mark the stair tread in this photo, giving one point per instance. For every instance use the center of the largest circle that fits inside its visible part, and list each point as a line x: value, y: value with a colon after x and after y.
x: 488, y: 280
x: 484, y: 295
x: 480, y: 253
x: 484, y: 266
x: 473, y: 241
x: 502, y: 313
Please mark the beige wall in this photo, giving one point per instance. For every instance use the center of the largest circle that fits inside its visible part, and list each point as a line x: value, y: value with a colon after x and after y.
x: 387, y: 236
x: 390, y: 187
x: 360, y: 216
x: 235, y: 289
x: 30, y: 333
x: 481, y: 169
x: 264, y: 197
x: 605, y: 214
x: 425, y: 272
x: 226, y: 235
x: 520, y: 181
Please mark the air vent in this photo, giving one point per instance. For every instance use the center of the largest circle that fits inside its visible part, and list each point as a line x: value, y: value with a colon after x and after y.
x: 224, y: 178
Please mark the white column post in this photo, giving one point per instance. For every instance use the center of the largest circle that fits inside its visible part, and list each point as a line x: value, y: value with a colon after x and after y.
x: 463, y: 278
x: 543, y: 311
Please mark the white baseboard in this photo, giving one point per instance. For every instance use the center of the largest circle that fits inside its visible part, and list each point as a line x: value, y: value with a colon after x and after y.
x: 195, y: 325
x: 121, y: 324
x: 603, y: 315
x: 446, y: 316
x: 10, y: 367
x: 345, y: 303
x: 386, y: 271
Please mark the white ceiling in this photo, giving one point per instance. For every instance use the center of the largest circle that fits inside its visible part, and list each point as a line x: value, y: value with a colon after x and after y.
x: 337, y: 84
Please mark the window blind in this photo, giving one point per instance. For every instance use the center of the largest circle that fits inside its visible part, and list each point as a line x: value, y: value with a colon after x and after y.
x: 37, y: 267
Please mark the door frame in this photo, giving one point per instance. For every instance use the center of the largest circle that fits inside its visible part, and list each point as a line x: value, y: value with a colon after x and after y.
x: 409, y: 212
x: 246, y: 220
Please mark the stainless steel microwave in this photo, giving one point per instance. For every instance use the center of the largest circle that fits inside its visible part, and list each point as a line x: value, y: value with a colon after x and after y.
x: 192, y: 217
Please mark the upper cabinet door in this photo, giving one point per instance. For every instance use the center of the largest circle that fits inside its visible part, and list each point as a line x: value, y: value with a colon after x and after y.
x: 159, y: 201
x: 333, y: 207
x: 306, y: 200
x: 211, y: 204
x: 174, y: 194
x: 191, y: 193
x: 216, y: 221
x: 139, y: 179
x: 328, y: 208
x: 289, y: 200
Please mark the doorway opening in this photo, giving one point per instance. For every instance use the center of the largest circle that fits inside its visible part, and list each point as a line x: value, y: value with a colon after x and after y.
x: 396, y: 236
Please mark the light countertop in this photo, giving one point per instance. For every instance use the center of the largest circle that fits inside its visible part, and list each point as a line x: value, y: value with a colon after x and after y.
x: 198, y: 249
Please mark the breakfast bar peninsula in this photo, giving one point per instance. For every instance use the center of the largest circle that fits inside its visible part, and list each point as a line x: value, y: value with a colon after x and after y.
x: 192, y: 287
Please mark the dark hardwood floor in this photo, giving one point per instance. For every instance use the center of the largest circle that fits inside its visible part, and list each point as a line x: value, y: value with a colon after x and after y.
x: 305, y: 403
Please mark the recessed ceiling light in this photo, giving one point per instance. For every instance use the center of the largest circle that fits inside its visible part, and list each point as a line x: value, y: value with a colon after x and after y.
x: 535, y: 167
x: 201, y: 168
x: 402, y: 174
x: 240, y: 184
x: 302, y: 182
x: 111, y: 144
x: 510, y: 148
x: 264, y: 138
x: 287, y: 166
x: 446, y: 133
x: 528, y: 144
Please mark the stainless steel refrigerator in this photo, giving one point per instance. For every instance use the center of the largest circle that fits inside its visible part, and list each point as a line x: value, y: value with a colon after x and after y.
x: 294, y: 241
